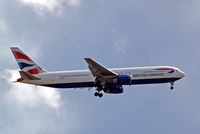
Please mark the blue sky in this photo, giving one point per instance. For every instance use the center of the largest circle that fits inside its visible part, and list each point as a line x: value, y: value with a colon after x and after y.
x: 58, y: 34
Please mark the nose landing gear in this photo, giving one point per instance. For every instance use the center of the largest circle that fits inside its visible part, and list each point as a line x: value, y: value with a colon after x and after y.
x: 172, y: 85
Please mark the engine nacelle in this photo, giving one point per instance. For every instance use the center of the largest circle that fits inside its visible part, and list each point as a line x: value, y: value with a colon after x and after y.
x: 116, y: 89
x: 122, y: 80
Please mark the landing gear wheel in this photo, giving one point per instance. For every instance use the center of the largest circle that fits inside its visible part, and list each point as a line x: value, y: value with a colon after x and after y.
x: 96, y: 94
x: 100, y: 95
x: 172, y: 85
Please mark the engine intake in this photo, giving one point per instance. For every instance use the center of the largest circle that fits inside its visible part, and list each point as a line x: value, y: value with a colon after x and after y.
x: 122, y: 80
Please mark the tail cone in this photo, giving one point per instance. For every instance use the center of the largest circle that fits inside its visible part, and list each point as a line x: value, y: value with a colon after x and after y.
x: 20, y: 79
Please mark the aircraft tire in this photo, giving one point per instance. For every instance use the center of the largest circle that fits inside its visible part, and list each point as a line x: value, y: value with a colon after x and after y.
x: 100, y: 95
x: 96, y: 94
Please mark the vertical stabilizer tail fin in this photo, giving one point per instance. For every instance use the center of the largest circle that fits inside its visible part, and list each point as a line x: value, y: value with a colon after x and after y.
x: 25, y: 63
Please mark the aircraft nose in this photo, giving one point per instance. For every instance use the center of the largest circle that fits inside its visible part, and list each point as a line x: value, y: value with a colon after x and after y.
x: 182, y: 74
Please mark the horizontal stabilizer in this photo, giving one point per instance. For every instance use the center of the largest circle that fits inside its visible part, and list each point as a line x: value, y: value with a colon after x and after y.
x: 27, y: 76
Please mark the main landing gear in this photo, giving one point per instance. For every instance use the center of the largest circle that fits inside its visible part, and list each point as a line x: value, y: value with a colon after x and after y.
x: 172, y: 85
x: 98, y: 92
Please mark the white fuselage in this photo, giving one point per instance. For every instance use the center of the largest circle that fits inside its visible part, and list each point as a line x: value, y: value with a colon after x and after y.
x: 84, y: 78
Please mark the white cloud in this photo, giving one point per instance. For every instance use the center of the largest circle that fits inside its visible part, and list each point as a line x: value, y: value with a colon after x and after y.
x: 74, y: 3
x: 30, y: 95
x: 121, y: 44
x: 35, y: 110
x: 42, y: 7
x: 3, y: 26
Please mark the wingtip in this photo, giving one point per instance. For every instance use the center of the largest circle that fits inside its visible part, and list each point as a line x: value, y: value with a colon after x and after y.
x: 87, y: 59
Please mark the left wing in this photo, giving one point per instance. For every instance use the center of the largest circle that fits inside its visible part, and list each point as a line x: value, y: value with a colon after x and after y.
x: 98, y: 70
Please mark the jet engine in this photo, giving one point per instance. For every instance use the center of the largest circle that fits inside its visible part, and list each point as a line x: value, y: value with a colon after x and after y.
x: 116, y: 89
x: 122, y: 80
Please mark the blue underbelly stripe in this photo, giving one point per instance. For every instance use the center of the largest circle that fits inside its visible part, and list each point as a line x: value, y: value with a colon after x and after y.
x: 154, y: 81
x: 92, y: 84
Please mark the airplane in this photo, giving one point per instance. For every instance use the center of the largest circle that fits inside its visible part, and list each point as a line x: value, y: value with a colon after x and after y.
x: 102, y: 78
